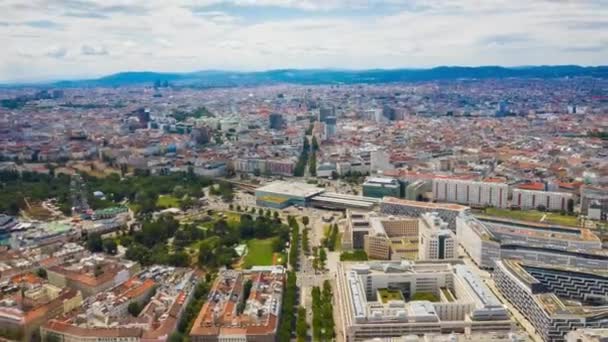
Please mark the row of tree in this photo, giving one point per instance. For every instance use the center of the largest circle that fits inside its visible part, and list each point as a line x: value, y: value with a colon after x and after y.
x: 295, y: 242
x: 287, y: 312
x: 323, y: 326
x: 300, y: 168
x: 332, y: 237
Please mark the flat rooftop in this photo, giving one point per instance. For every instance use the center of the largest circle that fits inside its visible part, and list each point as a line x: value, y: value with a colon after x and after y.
x: 291, y: 189
x: 574, y: 234
x: 425, y: 205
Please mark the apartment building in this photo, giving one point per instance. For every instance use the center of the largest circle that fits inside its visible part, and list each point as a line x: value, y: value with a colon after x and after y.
x: 222, y: 319
x: 532, y: 199
x: 471, y: 193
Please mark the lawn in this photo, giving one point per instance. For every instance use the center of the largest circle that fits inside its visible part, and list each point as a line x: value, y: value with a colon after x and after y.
x: 387, y: 295
x: 431, y: 297
x: 259, y: 253
x: 231, y: 218
x: 533, y: 216
x: 167, y: 201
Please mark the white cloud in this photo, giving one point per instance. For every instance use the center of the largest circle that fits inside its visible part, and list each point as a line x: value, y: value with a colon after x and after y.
x: 185, y: 35
x: 89, y: 50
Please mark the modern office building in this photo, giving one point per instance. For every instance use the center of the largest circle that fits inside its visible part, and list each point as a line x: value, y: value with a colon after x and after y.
x: 282, y: 194
x: 447, y: 211
x: 336, y: 201
x: 532, y: 199
x: 242, y: 306
x: 330, y: 127
x: 594, y: 198
x: 478, y: 241
x: 471, y: 193
x: 416, y: 190
x: 485, y: 242
x: 275, y: 121
x: 326, y: 112
x: 546, y: 235
x: 485, y: 336
x: 554, y: 299
x: 389, y: 113
x: 393, y: 299
x: 379, y: 187
x: 436, y: 241
x: 382, y: 237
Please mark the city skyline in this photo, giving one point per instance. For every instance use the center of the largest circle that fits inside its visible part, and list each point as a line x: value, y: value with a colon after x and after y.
x: 67, y: 39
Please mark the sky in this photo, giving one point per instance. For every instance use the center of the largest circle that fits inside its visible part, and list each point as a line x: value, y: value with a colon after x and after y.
x: 68, y: 39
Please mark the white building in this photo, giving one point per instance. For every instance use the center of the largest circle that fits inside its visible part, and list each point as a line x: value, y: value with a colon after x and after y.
x: 379, y: 161
x: 532, y: 199
x: 478, y: 242
x: 436, y: 240
x: 472, y: 193
x: 392, y: 299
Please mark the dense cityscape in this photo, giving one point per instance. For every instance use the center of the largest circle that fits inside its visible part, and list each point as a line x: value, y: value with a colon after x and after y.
x: 453, y: 210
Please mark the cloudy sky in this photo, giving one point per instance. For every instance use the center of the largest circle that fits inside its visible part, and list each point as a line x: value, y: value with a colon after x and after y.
x: 63, y: 39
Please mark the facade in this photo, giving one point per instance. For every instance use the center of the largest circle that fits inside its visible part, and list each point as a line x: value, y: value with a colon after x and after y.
x: 275, y: 121
x: 265, y: 166
x: 382, y: 237
x: 38, y: 304
x: 417, y: 189
x: 380, y: 187
x: 242, y: 306
x: 379, y: 300
x: 436, y: 241
x: 447, y: 212
x: 282, y: 194
x: 595, y: 195
x: 485, y: 242
x: 478, y: 241
x: 554, y: 299
x: 92, y: 274
x: 471, y: 193
x: 532, y: 199
x: 379, y: 161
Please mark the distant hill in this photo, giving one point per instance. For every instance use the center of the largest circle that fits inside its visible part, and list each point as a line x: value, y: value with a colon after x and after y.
x: 214, y: 78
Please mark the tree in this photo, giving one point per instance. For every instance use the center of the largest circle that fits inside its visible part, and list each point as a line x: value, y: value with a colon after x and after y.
x: 315, y: 144
x: 94, y: 243
x: 134, y: 309
x: 176, y: 337
x: 41, y: 272
x: 301, y: 326
x: 312, y: 166
x: 109, y: 246
x: 305, y: 220
x: 570, y: 205
x: 322, y: 258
